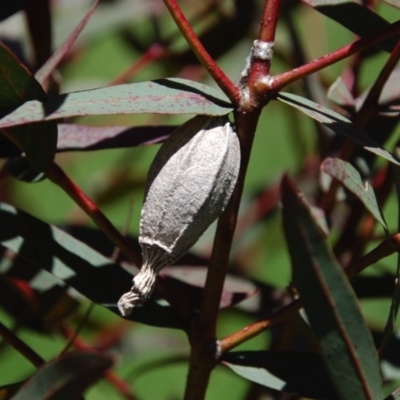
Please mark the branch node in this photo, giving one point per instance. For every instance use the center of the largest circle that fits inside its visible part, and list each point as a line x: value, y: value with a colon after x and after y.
x: 260, y: 51
x: 263, y: 50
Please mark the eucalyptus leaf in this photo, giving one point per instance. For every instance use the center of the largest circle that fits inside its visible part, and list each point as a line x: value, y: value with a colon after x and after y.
x: 337, y: 123
x: 330, y: 303
x: 162, y: 96
x: 346, y: 174
x: 65, y: 377
x: 93, y: 275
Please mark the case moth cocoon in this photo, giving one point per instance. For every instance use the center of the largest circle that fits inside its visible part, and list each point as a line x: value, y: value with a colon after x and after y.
x: 188, y: 185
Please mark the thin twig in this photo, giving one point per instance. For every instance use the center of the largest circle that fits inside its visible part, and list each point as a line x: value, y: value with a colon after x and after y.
x: 284, y: 79
x: 385, y: 249
x: 371, y: 101
x: 269, y: 20
x: 58, y: 176
x: 154, y: 53
x: 203, y: 334
x: 219, y: 76
x: 21, y: 346
x: 260, y: 67
x: 361, y: 119
x: 78, y: 329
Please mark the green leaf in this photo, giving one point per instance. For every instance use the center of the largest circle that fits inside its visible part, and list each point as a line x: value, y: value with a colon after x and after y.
x: 394, y: 3
x: 44, y: 246
x: 162, y: 96
x: 66, y: 377
x: 38, y: 141
x: 395, y: 303
x: 355, y: 17
x: 21, y: 169
x: 301, y: 373
x: 345, y: 173
x: 16, y: 82
x: 336, y: 122
x: 330, y: 303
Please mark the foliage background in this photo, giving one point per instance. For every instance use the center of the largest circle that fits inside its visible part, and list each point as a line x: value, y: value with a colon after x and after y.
x: 151, y: 359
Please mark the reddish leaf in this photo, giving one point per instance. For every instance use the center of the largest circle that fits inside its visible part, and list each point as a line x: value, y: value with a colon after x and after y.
x: 81, y: 137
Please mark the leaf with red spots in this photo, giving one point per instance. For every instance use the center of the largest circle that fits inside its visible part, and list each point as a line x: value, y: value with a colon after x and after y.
x: 162, y: 96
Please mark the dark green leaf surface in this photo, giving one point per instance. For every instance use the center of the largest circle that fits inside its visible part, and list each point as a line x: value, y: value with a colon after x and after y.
x: 21, y: 169
x: 17, y: 85
x: 301, y: 373
x: 66, y: 377
x: 162, y: 96
x: 16, y: 82
x: 358, y: 19
x: 346, y: 174
x: 336, y: 122
x: 38, y: 141
x: 330, y: 303
x: 395, y: 304
x: 95, y: 276
x: 73, y: 137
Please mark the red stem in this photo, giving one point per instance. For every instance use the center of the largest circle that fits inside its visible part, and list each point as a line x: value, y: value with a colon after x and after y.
x: 385, y: 249
x: 260, y: 68
x: 203, y: 333
x: 269, y: 20
x: 154, y: 53
x: 286, y: 78
x: 369, y: 105
x: 58, y: 176
x: 361, y: 119
x: 228, y: 87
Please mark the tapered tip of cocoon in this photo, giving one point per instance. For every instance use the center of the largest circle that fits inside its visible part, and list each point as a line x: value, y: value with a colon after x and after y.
x: 143, y: 285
